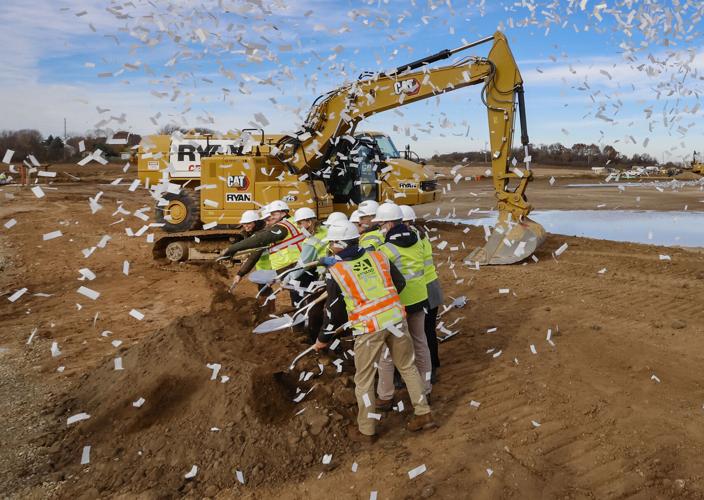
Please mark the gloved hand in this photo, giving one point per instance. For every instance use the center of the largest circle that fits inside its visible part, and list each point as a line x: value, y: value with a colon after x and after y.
x: 227, y: 254
x: 328, y: 261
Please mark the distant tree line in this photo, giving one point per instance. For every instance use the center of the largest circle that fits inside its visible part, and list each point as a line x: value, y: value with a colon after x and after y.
x: 54, y: 149
x: 587, y: 155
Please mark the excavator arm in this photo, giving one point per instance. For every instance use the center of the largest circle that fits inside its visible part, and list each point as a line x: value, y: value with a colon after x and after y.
x: 335, y: 115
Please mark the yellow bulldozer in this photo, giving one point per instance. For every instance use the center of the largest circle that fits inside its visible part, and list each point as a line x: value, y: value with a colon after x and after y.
x: 326, y: 162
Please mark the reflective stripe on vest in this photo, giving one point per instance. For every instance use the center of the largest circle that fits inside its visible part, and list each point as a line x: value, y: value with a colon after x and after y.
x: 286, y: 251
x: 410, y: 262
x: 372, y: 239
x: 370, y: 297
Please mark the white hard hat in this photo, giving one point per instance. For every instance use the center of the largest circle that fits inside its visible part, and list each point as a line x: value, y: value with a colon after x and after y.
x: 278, y: 206
x: 342, y: 232
x: 335, y: 218
x: 303, y: 213
x: 368, y: 207
x: 388, y: 212
x: 409, y: 215
x: 355, y: 217
x: 250, y: 216
x: 266, y: 211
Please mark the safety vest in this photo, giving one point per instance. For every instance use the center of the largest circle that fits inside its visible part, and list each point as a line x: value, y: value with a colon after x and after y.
x: 411, y: 264
x: 371, y: 239
x: 286, y: 252
x: 429, y: 271
x: 264, y: 263
x: 371, y: 299
x: 317, y: 241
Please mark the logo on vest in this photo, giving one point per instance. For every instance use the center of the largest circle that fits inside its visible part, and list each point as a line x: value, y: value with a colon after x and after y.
x: 363, y: 269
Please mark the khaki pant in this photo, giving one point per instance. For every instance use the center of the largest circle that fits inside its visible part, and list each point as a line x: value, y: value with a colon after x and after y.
x: 416, y: 327
x: 367, y: 349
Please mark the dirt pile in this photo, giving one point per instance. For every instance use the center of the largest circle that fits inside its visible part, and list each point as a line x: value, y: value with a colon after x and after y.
x: 245, y: 419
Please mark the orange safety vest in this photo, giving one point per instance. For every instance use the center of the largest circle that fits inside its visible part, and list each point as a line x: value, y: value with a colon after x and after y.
x: 371, y: 299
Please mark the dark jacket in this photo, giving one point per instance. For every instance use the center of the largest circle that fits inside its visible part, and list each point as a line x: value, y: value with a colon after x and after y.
x: 403, y: 236
x: 264, y: 238
x: 335, y: 311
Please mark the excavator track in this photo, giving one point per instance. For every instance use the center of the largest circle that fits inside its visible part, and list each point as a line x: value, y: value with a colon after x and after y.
x: 193, y: 246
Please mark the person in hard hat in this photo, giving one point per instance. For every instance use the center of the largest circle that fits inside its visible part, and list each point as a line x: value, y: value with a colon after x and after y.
x: 372, y: 237
x: 402, y: 246
x: 369, y: 283
x: 354, y: 219
x: 313, y: 249
x: 335, y: 218
x: 432, y: 282
x: 282, y: 237
x: 252, y: 222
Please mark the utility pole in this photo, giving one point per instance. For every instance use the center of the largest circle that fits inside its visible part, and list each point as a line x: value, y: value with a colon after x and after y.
x: 65, y: 137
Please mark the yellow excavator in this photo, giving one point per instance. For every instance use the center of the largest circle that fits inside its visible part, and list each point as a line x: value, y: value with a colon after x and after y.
x: 326, y: 152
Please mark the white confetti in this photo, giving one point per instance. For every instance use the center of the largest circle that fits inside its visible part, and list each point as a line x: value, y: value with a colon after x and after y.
x: 85, y: 456
x: 535, y: 424
x: 126, y: 268
x: 136, y: 314
x: 417, y: 471
x: 191, y: 473
x: 560, y: 250
x: 655, y: 377
x: 19, y: 293
x: 87, y: 292
x: 52, y: 235
x: 118, y: 364
x: 532, y: 349
x: 55, y: 351
x: 138, y: 403
x: 10, y: 223
x: 327, y: 459
x: 474, y: 404
x: 38, y: 192
x: 216, y: 368
x: 8, y: 156
x: 665, y: 257
x: 77, y: 418
x: 240, y: 476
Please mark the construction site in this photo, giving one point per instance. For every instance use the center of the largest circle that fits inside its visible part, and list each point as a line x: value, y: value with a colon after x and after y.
x: 189, y: 313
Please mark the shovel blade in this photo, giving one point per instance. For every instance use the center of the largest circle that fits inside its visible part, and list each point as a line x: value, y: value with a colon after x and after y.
x: 262, y: 276
x: 274, y: 324
x: 510, y: 242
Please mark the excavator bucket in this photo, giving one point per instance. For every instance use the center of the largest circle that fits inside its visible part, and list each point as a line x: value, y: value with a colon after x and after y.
x: 509, y: 242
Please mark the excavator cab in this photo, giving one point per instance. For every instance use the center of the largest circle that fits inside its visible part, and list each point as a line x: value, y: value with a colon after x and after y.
x: 353, y: 178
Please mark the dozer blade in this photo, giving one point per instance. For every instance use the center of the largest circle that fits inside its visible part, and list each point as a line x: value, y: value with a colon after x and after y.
x: 510, y: 242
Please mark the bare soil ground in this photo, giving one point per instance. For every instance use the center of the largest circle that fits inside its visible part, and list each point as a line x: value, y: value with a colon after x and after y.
x: 612, y: 408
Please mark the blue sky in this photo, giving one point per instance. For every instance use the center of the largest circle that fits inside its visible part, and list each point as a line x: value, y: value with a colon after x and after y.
x: 611, y: 72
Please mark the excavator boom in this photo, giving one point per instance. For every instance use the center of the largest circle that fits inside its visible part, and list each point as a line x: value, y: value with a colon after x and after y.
x: 335, y: 115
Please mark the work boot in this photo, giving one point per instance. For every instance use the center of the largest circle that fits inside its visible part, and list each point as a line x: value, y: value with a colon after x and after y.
x: 421, y: 423
x: 354, y: 435
x: 384, y: 404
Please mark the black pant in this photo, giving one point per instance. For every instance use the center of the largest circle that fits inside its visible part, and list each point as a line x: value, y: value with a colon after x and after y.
x: 431, y: 319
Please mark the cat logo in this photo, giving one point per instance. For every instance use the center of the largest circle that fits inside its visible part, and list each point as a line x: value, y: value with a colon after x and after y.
x: 407, y: 185
x: 238, y: 197
x: 408, y: 87
x: 240, y: 182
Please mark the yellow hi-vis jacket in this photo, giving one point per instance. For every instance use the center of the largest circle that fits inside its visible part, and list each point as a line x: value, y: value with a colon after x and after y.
x: 429, y: 271
x: 371, y: 299
x: 372, y: 239
x: 286, y: 252
x: 410, y: 262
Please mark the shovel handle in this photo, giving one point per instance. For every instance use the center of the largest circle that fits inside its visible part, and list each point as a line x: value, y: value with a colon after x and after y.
x: 295, y: 360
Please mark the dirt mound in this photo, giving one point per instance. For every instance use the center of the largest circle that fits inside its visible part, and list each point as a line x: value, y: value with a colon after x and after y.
x: 248, y: 422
